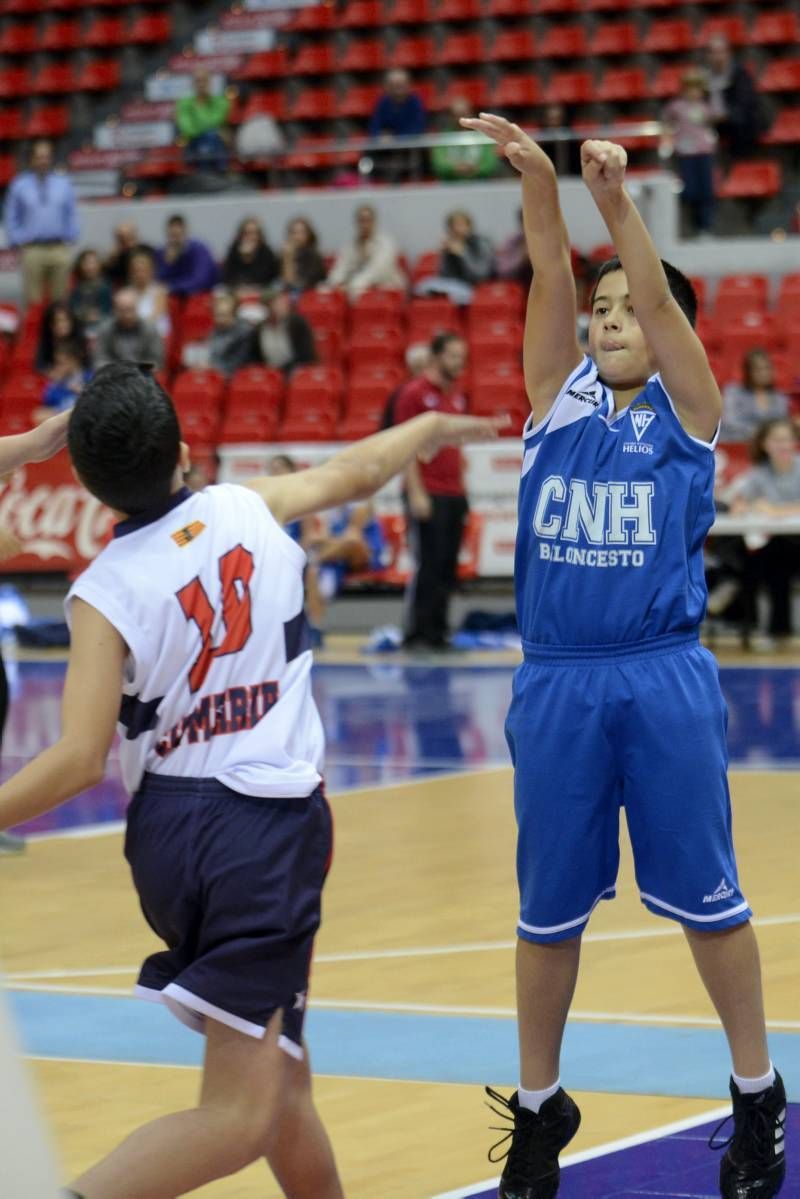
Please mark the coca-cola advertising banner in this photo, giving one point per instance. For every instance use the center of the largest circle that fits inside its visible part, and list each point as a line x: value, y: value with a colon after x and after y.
x: 59, y: 525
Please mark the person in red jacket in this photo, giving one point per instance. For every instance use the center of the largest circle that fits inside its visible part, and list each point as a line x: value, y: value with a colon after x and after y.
x: 436, y: 503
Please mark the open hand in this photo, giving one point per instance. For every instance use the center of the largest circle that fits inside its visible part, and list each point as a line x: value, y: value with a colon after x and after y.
x: 520, y: 149
x: 603, y: 167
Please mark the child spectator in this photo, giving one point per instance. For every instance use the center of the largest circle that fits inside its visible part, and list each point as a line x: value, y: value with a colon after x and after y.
x: 693, y: 139
x: 67, y: 380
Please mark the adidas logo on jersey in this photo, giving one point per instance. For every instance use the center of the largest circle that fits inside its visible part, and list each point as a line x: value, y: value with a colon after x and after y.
x: 723, y: 891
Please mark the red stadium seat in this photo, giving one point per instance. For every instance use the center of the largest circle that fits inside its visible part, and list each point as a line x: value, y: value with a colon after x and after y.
x: 370, y: 386
x: 621, y: 84
x: 410, y: 12
x: 499, y: 298
x: 414, y: 53
x: 752, y: 180
x: 199, y: 425
x: 474, y: 89
x: 426, y: 264
x: 359, y: 100
x: 252, y: 425
x: 356, y: 425
x: 14, y: 83
x: 329, y: 345
x: 563, y: 41
x: 606, y: 5
x: 570, y: 87
x: 8, y: 169
x: 452, y: 11
x: 379, y: 344
x: 198, y: 389
x: 317, y: 19
x: 518, y: 91
x: 513, y: 45
x: 265, y: 65
x: 61, y: 37
x: 54, y: 79
x: 780, y: 75
x: 668, y: 37
x: 150, y: 29
x: 19, y: 39
x: 51, y: 120
x: 741, y: 293
x: 509, y: 8
x: 430, y: 315
x: 789, y: 290
x: 256, y: 389
x: 700, y: 285
x: 272, y: 104
x: 308, y: 425
x: 753, y: 330
x: 105, y: 33
x: 99, y: 77
x: 660, y: 4
x: 462, y: 48
x: 775, y: 28
x: 315, y: 58
x: 364, y: 55
x: 313, y: 104
x: 326, y: 309
x: 494, y: 333
x: 556, y: 7
x: 667, y: 82
x: 361, y: 14
x: 22, y: 8
x: 379, y: 306
x: 732, y: 28
x: 314, y: 388
x: 22, y: 391
x: 786, y: 129
x: 615, y: 38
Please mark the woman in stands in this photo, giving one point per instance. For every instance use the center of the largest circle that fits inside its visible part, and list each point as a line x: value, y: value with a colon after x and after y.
x: 152, y: 300
x: 302, y: 265
x: 59, y: 328
x: 90, y: 298
x: 250, y: 263
x: 747, y: 405
x: 771, y: 489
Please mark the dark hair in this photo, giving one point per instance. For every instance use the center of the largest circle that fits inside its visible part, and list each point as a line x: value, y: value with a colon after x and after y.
x: 310, y: 230
x: 124, y: 438
x: 758, y: 453
x: 78, y: 265
x: 246, y: 221
x: 177, y: 219
x: 45, y: 353
x: 285, y: 460
x: 747, y: 366
x: 682, y: 291
x: 441, y: 341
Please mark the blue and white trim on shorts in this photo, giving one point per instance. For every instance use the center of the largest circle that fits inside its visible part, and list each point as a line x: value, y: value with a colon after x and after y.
x: 740, y: 913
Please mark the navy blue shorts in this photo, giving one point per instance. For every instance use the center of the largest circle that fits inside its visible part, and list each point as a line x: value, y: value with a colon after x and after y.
x: 233, y: 886
x: 642, y: 728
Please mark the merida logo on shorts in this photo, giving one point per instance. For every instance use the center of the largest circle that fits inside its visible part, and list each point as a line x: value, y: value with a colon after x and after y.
x: 615, y: 518
x: 723, y: 891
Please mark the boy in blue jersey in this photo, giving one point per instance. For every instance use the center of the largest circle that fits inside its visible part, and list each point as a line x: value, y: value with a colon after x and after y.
x: 616, y: 703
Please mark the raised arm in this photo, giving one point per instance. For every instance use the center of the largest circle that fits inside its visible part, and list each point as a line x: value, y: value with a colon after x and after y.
x: 362, y: 469
x: 678, y: 351
x: 34, y: 446
x: 550, y: 349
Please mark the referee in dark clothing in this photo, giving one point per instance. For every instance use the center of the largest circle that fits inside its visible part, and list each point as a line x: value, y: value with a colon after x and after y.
x: 436, y: 505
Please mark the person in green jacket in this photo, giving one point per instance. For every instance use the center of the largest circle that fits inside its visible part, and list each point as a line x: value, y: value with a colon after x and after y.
x: 200, y: 119
x: 476, y: 160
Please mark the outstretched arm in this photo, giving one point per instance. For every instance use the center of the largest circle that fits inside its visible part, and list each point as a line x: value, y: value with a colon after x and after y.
x: 34, y: 446
x: 362, y: 469
x: 678, y: 351
x: 89, y: 710
x: 551, y: 349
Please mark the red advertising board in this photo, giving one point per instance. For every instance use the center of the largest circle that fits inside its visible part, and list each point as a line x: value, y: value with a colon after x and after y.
x: 60, y: 526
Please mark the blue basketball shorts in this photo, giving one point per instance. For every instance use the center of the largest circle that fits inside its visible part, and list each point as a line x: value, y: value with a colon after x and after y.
x: 642, y: 727
x: 233, y: 886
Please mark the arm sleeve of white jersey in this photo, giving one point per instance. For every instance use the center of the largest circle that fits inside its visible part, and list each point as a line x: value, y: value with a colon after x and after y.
x: 91, y: 592
x: 289, y: 548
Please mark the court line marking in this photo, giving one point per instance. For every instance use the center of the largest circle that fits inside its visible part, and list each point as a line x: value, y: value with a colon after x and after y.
x: 369, y: 955
x: 574, y: 1159
x: 427, y: 1009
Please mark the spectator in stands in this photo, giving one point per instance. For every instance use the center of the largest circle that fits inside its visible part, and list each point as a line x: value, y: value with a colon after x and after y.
x: 418, y: 359
x: 746, y: 405
x: 250, y: 263
x: 41, y: 220
x: 734, y: 100
x: 513, y: 259
x: 302, y: 265
x: 152, y: 301
x: 472, y: 159
x: 117, y: 266
x: 231, y: 343
x: 564, y: 153
x: 370, y: 260
x: 690, y: 135
x: 185, y: 264
x: 126, y: 337
x: 90, y: 298
x: 399, y: 112
x: 201, y: 120
x: 59, y: 328
x: 772, y: 489
x: 466, y: 255
x: 68, y: 378
x: 435, y: 498
x: 285, y: 338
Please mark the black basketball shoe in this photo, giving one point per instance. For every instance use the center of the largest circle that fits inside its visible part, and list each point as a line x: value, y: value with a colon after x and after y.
x: 532, y: 1170
x: 754, y: 1164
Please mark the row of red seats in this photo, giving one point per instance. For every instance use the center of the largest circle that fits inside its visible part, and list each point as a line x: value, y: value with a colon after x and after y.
x: 104, y: 32
x: 60, y: 78
x: 32, y: 8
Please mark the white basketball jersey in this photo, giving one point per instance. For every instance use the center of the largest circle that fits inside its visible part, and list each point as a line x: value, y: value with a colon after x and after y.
x: 207, y: 593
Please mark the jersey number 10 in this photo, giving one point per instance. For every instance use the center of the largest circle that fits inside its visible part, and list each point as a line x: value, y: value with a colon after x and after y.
x: 235, y: 573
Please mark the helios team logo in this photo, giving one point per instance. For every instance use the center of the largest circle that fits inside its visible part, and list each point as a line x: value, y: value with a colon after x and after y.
x: 642, y: 417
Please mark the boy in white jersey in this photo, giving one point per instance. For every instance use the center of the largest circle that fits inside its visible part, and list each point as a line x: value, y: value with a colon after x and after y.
x: 616, y: 703
x: 193, y: 616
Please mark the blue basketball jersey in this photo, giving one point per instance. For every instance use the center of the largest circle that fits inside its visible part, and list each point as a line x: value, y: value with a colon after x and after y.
x: 613, y: 514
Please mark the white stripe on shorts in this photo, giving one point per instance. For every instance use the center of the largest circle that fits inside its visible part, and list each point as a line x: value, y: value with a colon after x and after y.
x: 560, y: 928
x: 709, y: 918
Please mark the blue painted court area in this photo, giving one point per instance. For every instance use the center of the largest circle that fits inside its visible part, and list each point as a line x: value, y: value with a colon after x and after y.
x: 386, y: 722
x: 629, y: 1059
x: 678, y: 1166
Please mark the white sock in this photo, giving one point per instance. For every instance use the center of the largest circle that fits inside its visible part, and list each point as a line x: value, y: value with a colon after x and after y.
x: 753, y: 1086
x: 533, y: 1100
